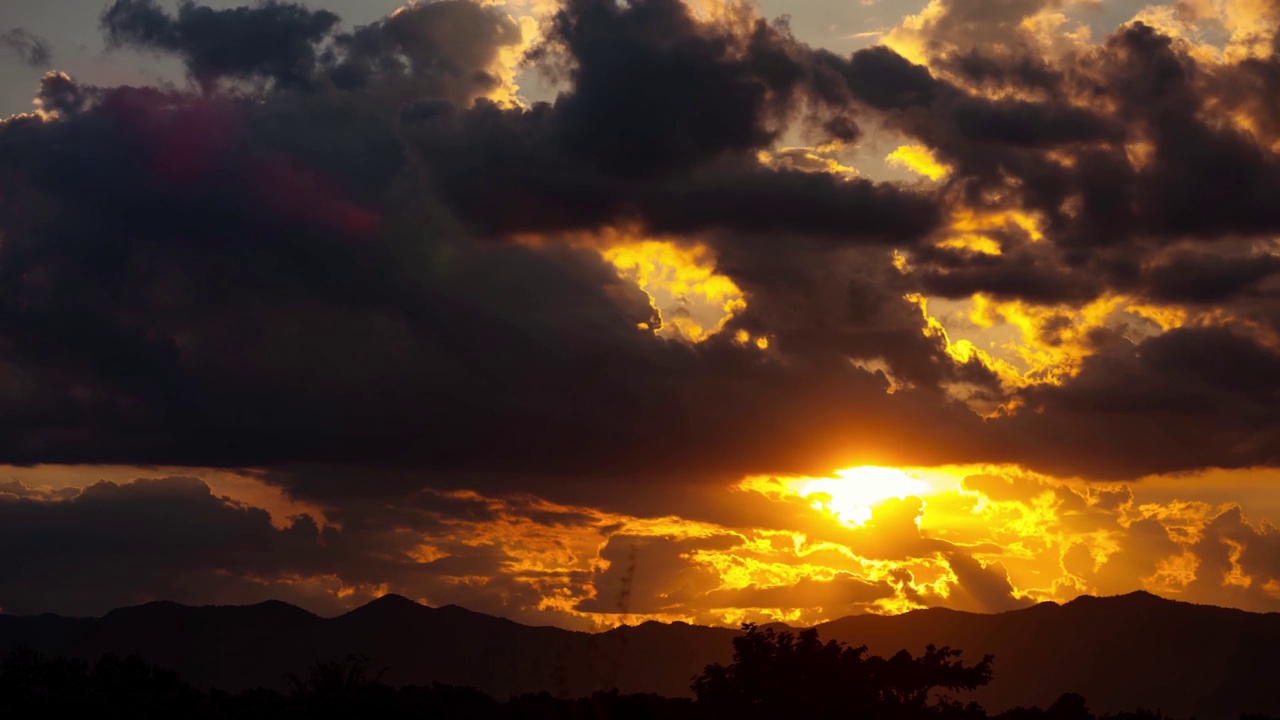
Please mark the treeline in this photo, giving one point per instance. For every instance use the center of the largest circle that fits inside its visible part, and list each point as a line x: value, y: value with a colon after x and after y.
x: 774, y: 676
x: 130, y: 688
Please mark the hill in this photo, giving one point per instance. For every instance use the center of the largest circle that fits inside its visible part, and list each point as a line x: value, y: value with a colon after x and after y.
x: 1121, y: 653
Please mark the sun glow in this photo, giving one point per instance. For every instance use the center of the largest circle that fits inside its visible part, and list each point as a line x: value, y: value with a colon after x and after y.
x: 853, y: 492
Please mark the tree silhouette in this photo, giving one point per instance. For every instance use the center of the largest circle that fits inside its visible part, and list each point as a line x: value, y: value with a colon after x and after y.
x: 339, y: 688
x: 783, y: 674
x: 112, y: 687
x: 1069, y: 706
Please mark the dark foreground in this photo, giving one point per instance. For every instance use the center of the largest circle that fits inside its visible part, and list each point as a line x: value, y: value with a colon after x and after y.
x: 773, y: 675
x: 1122, y: 652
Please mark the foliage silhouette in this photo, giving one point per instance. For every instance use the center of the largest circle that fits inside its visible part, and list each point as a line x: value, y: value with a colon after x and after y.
x: 110, y: 688
x: 777, y: 674
x: 786, y: 674
x: 342, y: 689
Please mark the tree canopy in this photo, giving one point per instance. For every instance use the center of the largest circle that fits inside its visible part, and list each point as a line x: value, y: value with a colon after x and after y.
x: 779, y: 674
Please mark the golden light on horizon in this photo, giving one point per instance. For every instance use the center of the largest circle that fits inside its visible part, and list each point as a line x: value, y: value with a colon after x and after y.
x: 853, y: 492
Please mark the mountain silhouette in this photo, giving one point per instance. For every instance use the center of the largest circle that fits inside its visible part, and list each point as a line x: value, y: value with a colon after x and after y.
x: 1121, y: 653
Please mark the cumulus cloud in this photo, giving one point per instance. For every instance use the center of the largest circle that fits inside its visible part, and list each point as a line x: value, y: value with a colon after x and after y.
x: 152, y: 538
x: 982, y: 587
x: 444, y: 49
x: 361, y: 242
x: 623, y: 147
x: 272, y: 40
x: 354, y: 259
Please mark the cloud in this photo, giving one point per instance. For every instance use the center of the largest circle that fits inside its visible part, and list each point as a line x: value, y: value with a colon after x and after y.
x: 981, y: 587
x: 29, y: 47
x: 652, y: 575
x: 444, y: 49
x: 1192, y: 397
x: 357, y: 261
x: 410, y: 191
x: 536, y: 561
x: 1006, y: 29
x: 173, y: 538
x: 1237, y: 559
x: 272, y: 40
x: 661, y: 128
x: 59, y: 93
x: 152, y: 538
x: 361, y: 242
x: 1206, y: 278
x: 844, y: 594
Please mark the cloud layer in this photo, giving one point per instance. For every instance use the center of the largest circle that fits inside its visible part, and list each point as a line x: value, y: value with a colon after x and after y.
x: 359, y: 262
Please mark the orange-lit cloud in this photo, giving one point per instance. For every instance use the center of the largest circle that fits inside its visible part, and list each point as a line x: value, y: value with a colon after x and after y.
x: 885, y: 540
x: 693, y: 301
x: 607, y: 358
x: 918, y: 159
x: 816, y: 159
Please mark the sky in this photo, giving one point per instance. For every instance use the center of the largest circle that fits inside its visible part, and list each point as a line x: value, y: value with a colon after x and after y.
x: 587, y: 312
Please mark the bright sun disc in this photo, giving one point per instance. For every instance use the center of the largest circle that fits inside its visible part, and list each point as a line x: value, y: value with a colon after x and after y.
x: 852, y: 493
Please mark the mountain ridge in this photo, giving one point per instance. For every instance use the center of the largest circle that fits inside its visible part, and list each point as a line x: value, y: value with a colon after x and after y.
x: 1121, y: 652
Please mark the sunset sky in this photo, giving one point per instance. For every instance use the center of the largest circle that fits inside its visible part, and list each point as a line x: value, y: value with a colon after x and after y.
x: 582, y: 312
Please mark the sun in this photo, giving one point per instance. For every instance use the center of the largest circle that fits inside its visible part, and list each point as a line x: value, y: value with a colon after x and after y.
x: 853, y: 492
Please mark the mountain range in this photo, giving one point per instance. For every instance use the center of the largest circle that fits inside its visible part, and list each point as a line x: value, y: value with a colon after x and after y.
x: 1121, y: 653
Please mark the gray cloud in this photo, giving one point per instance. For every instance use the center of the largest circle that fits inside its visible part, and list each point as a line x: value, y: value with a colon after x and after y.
x: 272, y: 40
x: 27, y: 46
x: 113, y: 545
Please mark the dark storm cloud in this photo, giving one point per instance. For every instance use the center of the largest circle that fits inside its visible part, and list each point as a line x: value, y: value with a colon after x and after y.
x: 155, y: 224
x: 527, y: 157
x: 1034, y: 274
x: 690, y: 91
x: 152, y: 538
x: 976, y: 134
x: 1004, y: 70
x: 660, y: 127
x: 1004, y: 156
x: 323, y: 277
x: 350, y: 262
x: 1203, y: 277
x: 172, y: 538
x: 1205, y: 179
x: 29, y: 47
x: 653, y: 74
x: 1123, y: 149
x: 1193, y: 397
x: 270, y: 40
